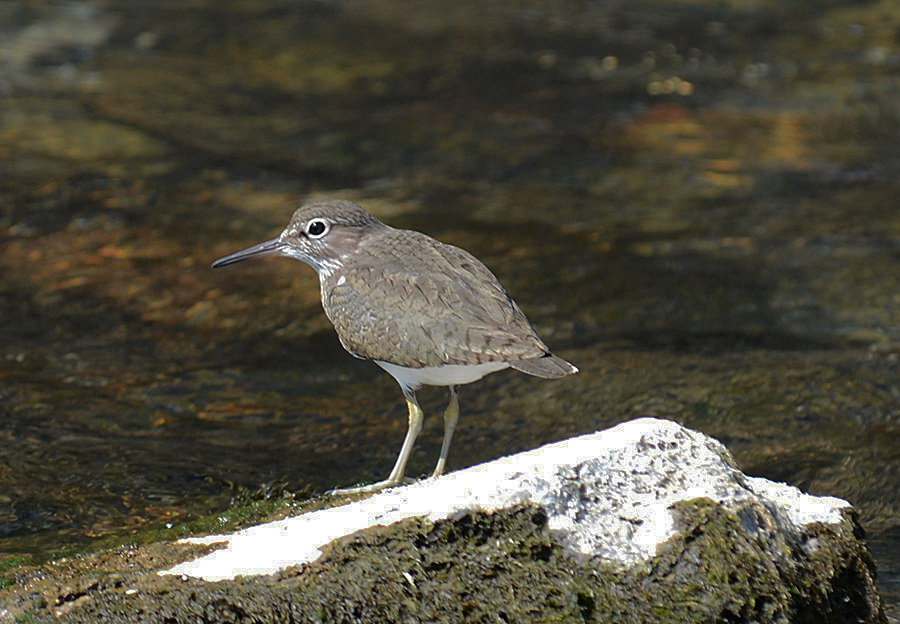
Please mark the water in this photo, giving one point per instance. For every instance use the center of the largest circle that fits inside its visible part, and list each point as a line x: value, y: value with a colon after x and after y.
x: 694, y: 202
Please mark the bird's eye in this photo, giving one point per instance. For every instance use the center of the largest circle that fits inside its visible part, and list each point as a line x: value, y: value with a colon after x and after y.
x: 317, y: 228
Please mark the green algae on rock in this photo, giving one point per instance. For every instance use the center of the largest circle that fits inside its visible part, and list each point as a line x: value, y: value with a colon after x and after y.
x: 603, y: 527
x: 483, y: 566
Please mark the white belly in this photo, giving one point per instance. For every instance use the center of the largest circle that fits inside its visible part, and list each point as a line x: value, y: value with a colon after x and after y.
x: 447, y: 375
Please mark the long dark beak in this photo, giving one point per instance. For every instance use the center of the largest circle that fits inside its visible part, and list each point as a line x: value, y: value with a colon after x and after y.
x: 269, y: 248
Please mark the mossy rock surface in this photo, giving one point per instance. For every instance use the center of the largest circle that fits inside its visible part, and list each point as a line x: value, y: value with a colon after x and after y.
x: 502, y: 566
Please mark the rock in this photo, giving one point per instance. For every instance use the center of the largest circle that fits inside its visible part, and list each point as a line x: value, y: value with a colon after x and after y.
x: 606, y: 495
x: 644, y: 522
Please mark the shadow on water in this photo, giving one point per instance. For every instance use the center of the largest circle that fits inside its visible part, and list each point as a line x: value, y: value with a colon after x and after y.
x: 693, y: 201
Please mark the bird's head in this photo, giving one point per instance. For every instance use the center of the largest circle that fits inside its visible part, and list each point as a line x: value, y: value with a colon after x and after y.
x: 320, y: 233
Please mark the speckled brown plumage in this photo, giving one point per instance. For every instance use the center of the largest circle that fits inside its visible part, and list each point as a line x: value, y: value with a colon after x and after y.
x: 413, y: 301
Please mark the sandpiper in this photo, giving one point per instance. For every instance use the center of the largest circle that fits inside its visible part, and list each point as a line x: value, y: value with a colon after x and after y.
x: 426, y: 312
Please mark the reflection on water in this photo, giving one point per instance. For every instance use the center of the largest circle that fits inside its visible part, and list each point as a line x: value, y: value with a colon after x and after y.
x: 695, y: 202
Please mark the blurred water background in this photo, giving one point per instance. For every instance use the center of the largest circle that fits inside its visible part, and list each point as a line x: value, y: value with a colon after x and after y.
x: 695, y: 201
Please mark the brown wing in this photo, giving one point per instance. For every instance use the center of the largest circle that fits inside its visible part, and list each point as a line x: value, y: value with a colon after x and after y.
x: 418, y: 302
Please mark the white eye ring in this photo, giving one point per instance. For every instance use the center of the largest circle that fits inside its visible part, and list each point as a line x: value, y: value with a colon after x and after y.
x: 317, y: 228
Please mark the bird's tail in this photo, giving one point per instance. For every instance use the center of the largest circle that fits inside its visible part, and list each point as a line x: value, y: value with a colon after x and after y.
x: 547, y: 366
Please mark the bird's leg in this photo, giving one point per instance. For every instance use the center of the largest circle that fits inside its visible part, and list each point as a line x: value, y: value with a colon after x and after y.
x: 416, y: 416
x: 451, y: 415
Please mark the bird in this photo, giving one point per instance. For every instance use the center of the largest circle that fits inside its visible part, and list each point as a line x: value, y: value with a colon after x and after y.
x: 427, y: 312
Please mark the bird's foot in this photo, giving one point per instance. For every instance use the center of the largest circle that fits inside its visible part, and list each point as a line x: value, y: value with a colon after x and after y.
x: 372, y: 487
